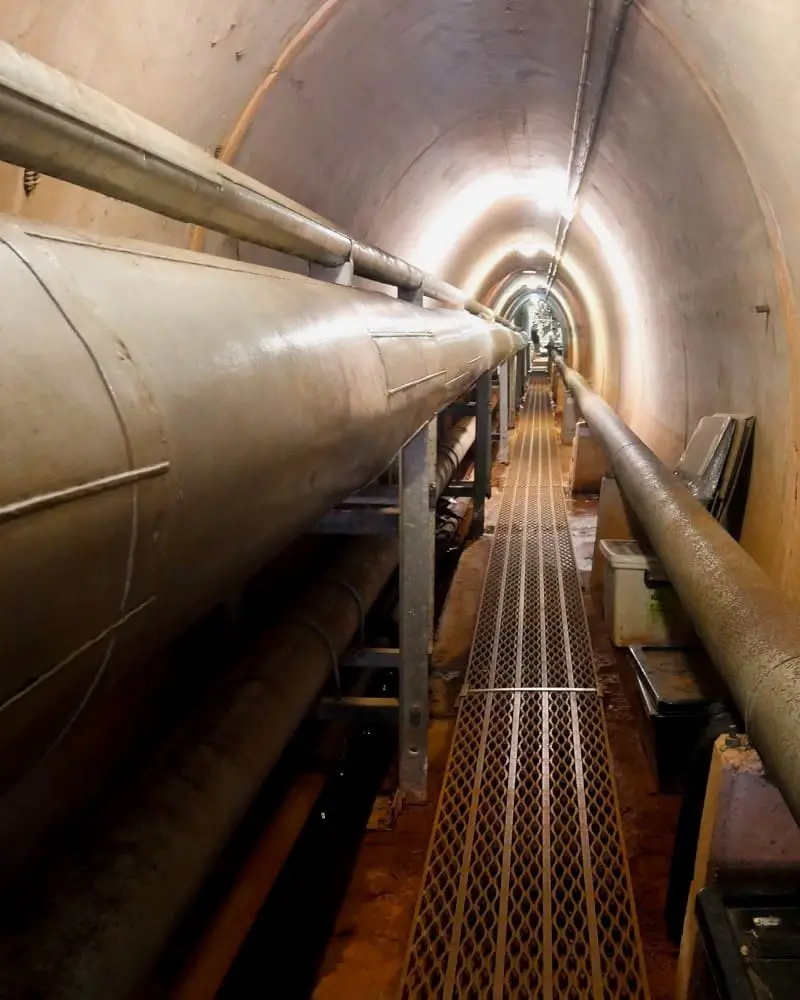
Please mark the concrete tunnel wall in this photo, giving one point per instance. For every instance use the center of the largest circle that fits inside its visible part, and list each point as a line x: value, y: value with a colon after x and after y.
x: 425, y: 126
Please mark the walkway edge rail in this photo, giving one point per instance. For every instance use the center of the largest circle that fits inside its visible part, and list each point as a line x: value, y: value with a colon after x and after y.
x: 56, y: 125
x: 750, y: 630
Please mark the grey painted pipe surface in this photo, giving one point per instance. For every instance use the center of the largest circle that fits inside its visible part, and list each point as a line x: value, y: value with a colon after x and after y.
x: 169, y: 420
x: 59, y: 126
x: 751, y: 631
x: 113, y: 906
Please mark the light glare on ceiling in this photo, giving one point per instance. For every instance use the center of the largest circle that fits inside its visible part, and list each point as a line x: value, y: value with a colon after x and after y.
x: 550, y: 192
x: 445, y: 229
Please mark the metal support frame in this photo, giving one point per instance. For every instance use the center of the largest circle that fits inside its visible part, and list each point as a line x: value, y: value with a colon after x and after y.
x: 483, y: 452
x: 569, y: 419
x: 372, y: 658
x: 415, y: 296
x: 338, y: 274
x: 412, y: 517
x: 372, y: 511
x: 512, y: 392
x: 458, y: 410
x: 358, y: 521
x: 409, y: 511
x: 522, y: 374
x: 503, y: 408
x: 347, y: 707
x: 465, y: 489
x: 417, y: 536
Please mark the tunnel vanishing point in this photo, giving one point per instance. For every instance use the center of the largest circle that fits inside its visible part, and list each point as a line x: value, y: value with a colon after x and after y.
x: 268, y: 274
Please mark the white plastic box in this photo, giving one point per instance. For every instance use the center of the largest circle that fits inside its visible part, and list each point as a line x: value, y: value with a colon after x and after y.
x: 641, y: 606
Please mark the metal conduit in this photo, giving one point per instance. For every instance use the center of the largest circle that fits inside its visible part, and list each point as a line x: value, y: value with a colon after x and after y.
x: 565, y: 224
x: 113, y: 905
x: 56, y: 125
x: 751, y: 631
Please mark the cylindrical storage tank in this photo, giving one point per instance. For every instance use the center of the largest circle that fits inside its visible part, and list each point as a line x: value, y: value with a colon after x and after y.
x: 169, y: 420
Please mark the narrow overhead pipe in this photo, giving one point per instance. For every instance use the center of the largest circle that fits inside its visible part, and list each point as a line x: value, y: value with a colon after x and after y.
x: 750, y: 630
x: 56, y: 125
x: 113, y: 905
x: 221, y: 408
x: 612, y: 53
x: 583, y: 80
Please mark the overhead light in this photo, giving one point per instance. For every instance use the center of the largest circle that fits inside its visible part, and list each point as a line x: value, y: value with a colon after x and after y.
x: 528, y: 250
x: 550, y: 192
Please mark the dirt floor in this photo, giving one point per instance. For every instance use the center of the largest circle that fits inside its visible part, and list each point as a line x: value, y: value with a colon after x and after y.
x: 364, y: 959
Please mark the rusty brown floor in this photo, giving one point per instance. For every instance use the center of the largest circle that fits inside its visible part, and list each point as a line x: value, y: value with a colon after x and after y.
x: 365, y: 956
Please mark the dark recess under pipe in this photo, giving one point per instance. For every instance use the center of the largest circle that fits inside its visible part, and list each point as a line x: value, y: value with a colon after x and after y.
x: 112, y: 905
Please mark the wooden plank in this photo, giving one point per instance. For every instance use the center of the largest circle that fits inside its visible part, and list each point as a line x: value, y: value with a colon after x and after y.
x: 217, y: 949
x: 746, y: 829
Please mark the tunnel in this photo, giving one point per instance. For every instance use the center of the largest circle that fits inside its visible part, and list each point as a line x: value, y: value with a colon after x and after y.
x: 249, y: 252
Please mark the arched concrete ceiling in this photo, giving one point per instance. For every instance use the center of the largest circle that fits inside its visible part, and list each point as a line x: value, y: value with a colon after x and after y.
x: 426, y: 126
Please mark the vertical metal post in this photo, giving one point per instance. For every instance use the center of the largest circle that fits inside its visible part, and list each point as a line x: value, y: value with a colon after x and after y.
x: 522, y: 374
x: 339, y: 275
x: 503, y: 407
x: 413, y: 295
x: 569, y: 419
x: 417, y: 492
x: 513, y: 397
x: 483, y: 451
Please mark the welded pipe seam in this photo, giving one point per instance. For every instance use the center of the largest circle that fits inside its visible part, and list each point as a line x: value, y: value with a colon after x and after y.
x: 750, y: 630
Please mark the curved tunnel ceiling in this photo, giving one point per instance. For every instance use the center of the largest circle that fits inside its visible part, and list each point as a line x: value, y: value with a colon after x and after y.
x: 427, y: 126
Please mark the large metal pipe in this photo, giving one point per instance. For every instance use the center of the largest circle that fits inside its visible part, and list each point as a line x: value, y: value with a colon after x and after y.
x: 169, y: 420
x: 113, y: 906
x: 453, y: 451
x: 59, y: 126
x: 751, y: 631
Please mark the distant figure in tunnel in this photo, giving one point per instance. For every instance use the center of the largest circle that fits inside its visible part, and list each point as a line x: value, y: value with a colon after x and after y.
x: 545, y: 328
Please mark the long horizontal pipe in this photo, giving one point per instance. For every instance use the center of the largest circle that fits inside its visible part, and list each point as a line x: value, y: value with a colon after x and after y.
x: 170, y: 420
x: 453, y: 451
x: 576, y: 183
x: 112, y: 908
x: 750, y: 630
x: 52, y: 123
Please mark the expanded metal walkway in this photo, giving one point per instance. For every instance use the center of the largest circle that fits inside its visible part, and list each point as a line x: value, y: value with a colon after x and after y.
x: 526, y: 891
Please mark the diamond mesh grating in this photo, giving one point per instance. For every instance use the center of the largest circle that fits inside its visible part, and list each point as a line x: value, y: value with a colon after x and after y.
x: 526, y: 892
